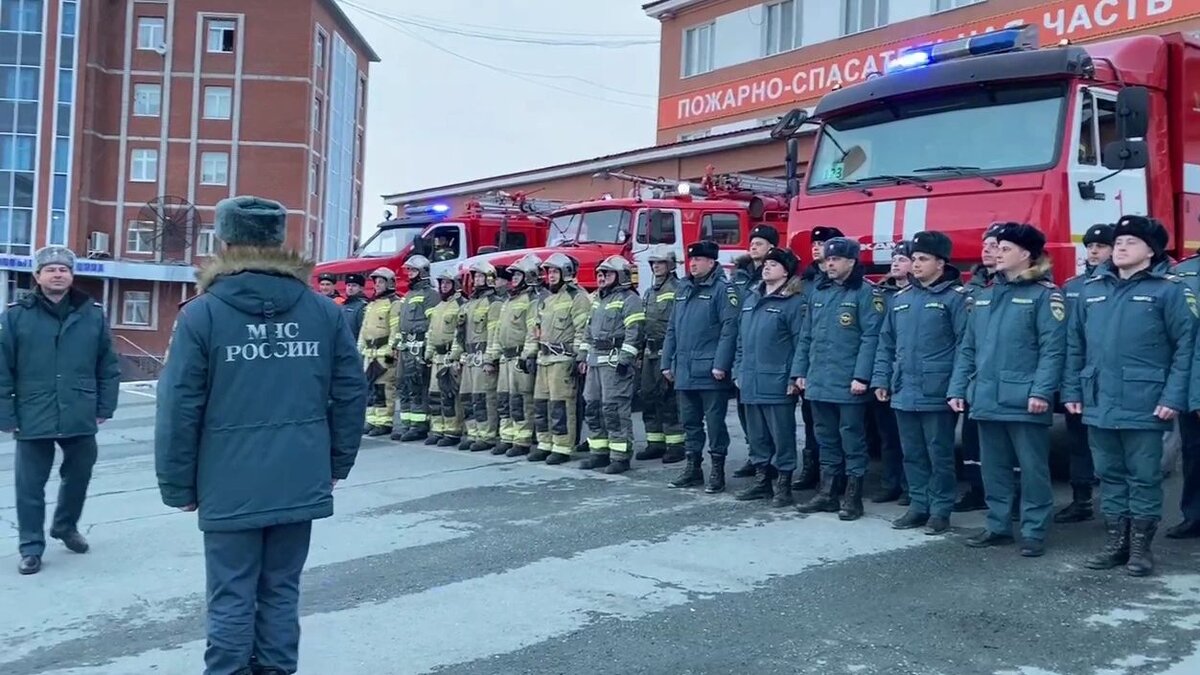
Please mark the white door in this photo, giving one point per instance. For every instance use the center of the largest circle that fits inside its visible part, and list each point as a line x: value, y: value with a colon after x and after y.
x: 667, y: 229
x: 1122, y: 194
x: 456, y: 234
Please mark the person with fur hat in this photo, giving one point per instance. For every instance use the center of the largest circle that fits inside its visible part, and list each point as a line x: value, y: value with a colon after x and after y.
x: 925, y: 321
x: 54, y: 334
x: 810, y: 455
x: 834, y: 361
x: 375, y: 345
x: 660, y: 412
x: 1098, y: 246
x: 355, y: 303
x: 259, y: 409
x: 442, y: 353
x: 1188, y: 270
x: 411, y: 419
x: 327, y: 286
x: 1129, y: 362
x: 893, y: 486
x: 982, y: 274
x: 697, y: 357
x: 1012, y: 357
x: 769, y: 330
x: 747, y: 272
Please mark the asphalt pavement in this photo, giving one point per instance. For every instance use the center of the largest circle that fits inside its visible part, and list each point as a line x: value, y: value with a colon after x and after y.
x: 440, y: 561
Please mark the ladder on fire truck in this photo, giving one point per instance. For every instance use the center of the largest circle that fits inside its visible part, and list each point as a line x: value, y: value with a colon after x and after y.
x: 713, y: 185
x: 506, y: 203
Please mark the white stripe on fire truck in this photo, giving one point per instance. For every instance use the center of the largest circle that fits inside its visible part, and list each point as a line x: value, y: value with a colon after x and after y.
x: 883, y: 231
x: 1191, y: 178
x: 914, y: 217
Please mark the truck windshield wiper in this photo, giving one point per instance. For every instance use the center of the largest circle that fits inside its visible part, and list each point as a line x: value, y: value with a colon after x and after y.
x: 911, y: 180
x: 961, y: 171
x: 841, y: 184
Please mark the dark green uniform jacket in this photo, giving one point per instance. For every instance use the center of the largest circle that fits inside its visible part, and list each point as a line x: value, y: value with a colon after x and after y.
x: 918, y: 342
x: 746, y: 277
x: 768, y: 335
x: 58, y: 370
x: 354, y: 307
x: 1074, y: 287
x: 1013, y: 349
x: 262, y: 399
x: 1129, y: 348
x: 702, y: 334
x: 841, y: 331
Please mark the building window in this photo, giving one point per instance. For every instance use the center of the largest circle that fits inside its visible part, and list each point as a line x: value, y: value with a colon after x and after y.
x: 147, y: 100
x: 320, y: 50
x: 139, y: 237
x: 361, y: 95
x: 144, y: 166
x: 206, y: 242
x: 135, y: 308
x: 316, y: 115
x: 943, y: 5
x: 19, y: 84
x: 214, y: 168
x: 314, y: 171
x: 698, y: 49
x: 782, y: 28
x: 152, y: 33
x: 220, y: 37
x: 218, y: 103
x: 861, y: 15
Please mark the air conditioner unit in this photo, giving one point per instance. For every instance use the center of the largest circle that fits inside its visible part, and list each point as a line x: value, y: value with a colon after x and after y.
x: 98, y: 244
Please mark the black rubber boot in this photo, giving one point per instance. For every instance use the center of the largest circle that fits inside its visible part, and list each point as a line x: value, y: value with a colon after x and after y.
x: 558, y: 458
x: 594, y: 461
x: 465, y: 444
x: 1080, y: 508
x: 376, y: 432
x: 367, y: 429
x: 823, y: 501
x: 810, y: 473
x: 852, y: 504
x: 745, y: 471
x: 433, y: 439
x: 1116, y: 547
x: 651, y: 451
x: 617, y: 466
x: 760, y: 489
x: 716, y: 477
x: 501, y: 448
x: 538, y: 455
x: 415, y: 434
x: 1141, y: 560
x: 674, y: 455
x: 692, y: 474
x: 783, y: 490
x: 517, y: 451
x: 448, y: 441
x: 910, y: 521
x: 398, y: 432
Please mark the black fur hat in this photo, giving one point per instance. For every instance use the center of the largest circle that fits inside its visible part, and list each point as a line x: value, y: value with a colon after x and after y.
x: 1099, y: 234
x: 326, y: 276
x: 903, y: 247
x: 935, y: 244
x: 842, y: 247
x: 704, y: 249
x: 1148, y: 230
x: 766, y: 233
x: 1024, y: 235
x: 251, y: 221
x: 822, y: 234
x: 784, y: 257
x: 356, y: 279
x: 992, y: 231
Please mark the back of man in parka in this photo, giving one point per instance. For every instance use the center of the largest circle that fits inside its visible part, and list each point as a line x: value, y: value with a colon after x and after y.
x: 1188, y: 270
x: 260, y: 410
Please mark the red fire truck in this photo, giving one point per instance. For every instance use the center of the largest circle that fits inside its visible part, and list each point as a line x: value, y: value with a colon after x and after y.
x: 723, y: 208
x: 496, y: 222
x: 961, y: 134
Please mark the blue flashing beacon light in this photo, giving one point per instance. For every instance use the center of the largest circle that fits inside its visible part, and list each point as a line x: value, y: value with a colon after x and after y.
x: 428, y: 209
x: 1020, y: 38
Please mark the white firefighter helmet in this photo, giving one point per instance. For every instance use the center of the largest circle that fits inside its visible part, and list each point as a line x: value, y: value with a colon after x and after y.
x: 527, y: 265
x: 662, y: 253
x: 563, y: 263
x: 448, y: 273
x: 383, y: 273
x: 419, y: 263
x: 617, y: 264
x: 482, y: 267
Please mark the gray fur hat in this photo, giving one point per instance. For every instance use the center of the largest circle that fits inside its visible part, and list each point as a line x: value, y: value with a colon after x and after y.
x: 251, y: 221
x: 54, y: 255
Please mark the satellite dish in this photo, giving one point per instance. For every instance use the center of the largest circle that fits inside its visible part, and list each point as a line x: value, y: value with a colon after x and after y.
x: 176, y: 224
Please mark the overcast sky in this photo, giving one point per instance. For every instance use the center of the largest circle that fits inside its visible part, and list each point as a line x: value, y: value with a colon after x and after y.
x: 435, y: 118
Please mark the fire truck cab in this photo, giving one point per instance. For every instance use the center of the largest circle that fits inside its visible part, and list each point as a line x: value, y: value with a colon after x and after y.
x: 958, y: 135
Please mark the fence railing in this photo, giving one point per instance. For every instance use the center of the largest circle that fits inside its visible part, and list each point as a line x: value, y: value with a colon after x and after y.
x: 141, y: 365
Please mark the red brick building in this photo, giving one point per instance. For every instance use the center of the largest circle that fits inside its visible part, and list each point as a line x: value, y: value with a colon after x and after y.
x: 728, y: 69
x: 110, y: 106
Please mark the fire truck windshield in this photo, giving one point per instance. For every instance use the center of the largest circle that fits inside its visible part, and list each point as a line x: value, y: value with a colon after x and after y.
x: 600, y: 226
x: 389, y: 241
x: 944, y: 134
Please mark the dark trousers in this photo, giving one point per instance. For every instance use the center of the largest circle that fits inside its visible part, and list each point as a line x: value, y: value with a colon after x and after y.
x: 810, y: 432
x: 841, y: 432
x: 928, y: 441
x: 1130, y: 464
x: 890, y: 452
x: 971, y: 472
x: 1189, y: 432
x: 1083, y: 470
x: 254, y: 597
x: 704, y: 408
x: 1005, y: 446
x: 34, y: 460
x: 771, y: 434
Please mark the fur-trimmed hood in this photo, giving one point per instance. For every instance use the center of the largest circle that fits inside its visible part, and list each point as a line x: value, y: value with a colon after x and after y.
x: 257, y: 281
x: 1038, y: 271
x: 791, y: 287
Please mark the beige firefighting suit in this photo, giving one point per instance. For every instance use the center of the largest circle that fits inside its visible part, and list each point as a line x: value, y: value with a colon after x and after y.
x: 374, y: 343
x: 478, y: 390
x: 555, y: 339
x: 514, y: 389
x: 442, y: 352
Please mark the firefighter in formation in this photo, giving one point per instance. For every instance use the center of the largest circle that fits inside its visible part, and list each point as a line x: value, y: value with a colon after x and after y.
x: 1001, y: 351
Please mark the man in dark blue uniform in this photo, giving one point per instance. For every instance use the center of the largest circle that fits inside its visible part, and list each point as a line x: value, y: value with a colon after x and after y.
x: 260, y: 411
x: 893, y: 487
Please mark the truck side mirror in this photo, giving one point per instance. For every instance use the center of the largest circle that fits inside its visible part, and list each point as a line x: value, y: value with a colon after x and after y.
x: 1121, y: 155
x: 660, y: 227
x: 1133, y: 111
x: 789, y: 125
